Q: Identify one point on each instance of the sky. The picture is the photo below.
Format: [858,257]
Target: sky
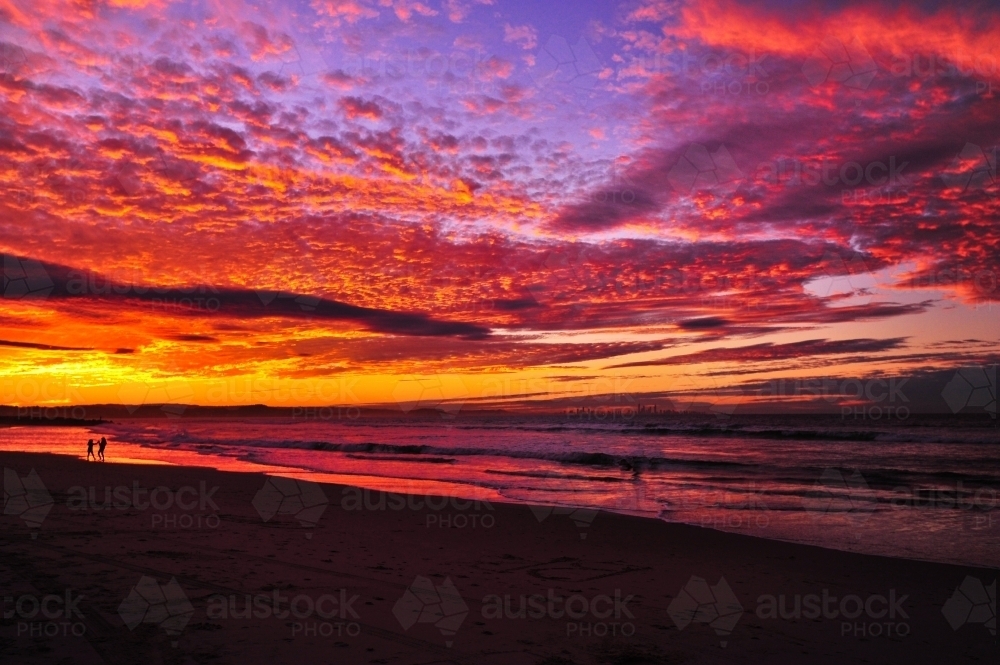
[689,203]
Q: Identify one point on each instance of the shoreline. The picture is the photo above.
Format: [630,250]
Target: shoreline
[254,537]
[486,496]
[146,453]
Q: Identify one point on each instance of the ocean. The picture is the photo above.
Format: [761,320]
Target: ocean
[926,489]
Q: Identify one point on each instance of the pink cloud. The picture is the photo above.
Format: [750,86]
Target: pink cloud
[524,36]
[345,11]
[459,10]
[405,9]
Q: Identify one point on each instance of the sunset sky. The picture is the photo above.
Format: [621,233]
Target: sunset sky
[483,202]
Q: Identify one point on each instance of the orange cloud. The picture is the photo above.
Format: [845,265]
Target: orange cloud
[965,33]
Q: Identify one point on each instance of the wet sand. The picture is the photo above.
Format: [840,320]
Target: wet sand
[335,574]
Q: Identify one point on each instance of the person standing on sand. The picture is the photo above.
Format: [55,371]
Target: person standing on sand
[90,450]
[100,449]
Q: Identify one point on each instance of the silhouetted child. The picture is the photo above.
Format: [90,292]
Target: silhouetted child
[100,448]
[90,450]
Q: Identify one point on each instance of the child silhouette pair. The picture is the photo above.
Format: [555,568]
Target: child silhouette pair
[100,450]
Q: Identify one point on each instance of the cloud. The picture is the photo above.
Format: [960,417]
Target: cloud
[383,178]
[703,323]
[72,285]
[339,12]
[263,43]
[459,10]
[798,27]
[405,9]
[524,36]
[768,351]
[40,347]
[441,356]
[339,79]
[355,107]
